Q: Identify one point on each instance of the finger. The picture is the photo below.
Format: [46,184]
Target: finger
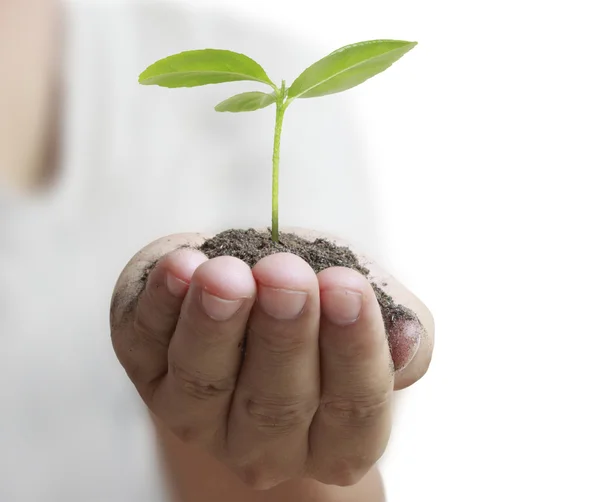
[411,336]
[278,387]
[144,341]
[352,426]
[412,330]
[205,352]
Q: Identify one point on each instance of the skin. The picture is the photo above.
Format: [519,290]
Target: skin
[308,412]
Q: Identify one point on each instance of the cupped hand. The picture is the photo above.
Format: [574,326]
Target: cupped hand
[276,371]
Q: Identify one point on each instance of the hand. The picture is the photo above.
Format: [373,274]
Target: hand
[308,395]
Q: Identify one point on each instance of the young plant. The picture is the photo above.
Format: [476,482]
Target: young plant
[339,71]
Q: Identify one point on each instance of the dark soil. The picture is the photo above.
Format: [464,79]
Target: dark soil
[251,246]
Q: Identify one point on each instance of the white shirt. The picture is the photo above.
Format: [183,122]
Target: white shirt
[138,163]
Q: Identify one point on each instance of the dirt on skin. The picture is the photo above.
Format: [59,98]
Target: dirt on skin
[251,246]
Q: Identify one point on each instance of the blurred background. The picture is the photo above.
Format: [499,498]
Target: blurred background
[478,155]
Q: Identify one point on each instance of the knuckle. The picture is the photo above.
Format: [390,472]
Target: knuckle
[198,432]
[277,416]
[197,385]
[257,477]
[345,472]
[185,433]
[361,411]
[134,370]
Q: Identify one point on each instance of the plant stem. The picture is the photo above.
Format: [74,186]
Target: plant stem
[280,110]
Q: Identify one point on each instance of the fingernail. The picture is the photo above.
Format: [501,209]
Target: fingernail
[341,306]
[219,309]
[282,304]
[176,286]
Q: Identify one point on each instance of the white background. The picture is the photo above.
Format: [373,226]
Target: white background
[484,149]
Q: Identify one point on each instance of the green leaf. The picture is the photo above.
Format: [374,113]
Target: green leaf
[203,67]
[348,67]
[246,102]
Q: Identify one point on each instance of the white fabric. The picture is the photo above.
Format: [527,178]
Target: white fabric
[138,163]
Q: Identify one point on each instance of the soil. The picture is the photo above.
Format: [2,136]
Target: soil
[251,246]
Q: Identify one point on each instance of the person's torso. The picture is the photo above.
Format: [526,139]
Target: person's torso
[139,163]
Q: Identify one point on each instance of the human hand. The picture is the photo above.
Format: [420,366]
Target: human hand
[310,394]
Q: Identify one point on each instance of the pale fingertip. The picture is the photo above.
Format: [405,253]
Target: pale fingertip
[282,304]
[181,265]
[341,306]
[219,309]
[226,278]
[176,286]
[284,283]
[285,271]
[335,278]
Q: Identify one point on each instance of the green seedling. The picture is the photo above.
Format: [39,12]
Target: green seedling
[339,71]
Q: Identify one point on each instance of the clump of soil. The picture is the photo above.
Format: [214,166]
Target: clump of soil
[251,246]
